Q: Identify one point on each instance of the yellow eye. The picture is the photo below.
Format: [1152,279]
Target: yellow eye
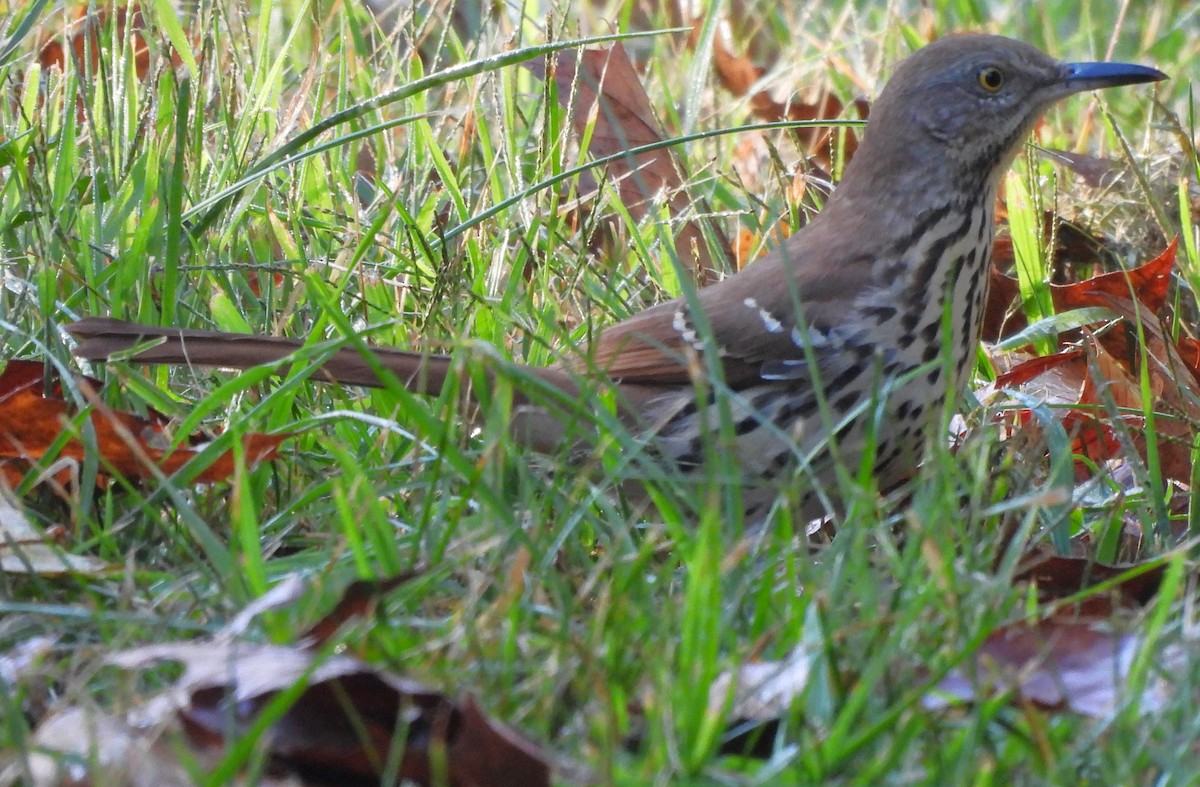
[991,79]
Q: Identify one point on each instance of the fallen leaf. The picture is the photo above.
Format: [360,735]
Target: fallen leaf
[1079,386]
[26,550]
[86,37]
[1063,387]
[31,423]
[601,91]
[1065,663]
[755,697]
[1189,354]
[350,724]
[1096,172]
[345,724]
[85,746]
[358,600]
[1148,284]
[1060,576]
[1106,370]
[1176,392]
[740,76]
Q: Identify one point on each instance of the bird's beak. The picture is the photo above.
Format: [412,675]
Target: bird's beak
[1093,76]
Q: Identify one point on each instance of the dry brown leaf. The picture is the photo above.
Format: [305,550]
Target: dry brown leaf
[1058,664]
[1026,371]
[1107,371]
[601,89]
[31,423]
[1147,283]
[1096,172]
[350,724]
[358,600]
[345,724]
[1061,576]
[1067,382]
[1176,392]
[739,76]
[1189,354]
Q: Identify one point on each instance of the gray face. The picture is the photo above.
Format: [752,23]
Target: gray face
[986,97]
[975,98]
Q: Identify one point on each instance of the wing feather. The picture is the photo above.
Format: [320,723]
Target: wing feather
[753,317]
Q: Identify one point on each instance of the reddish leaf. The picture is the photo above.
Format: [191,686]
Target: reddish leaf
[357,600]
[1094,377]
[1002,293]
[1148,283]
[30,424]
[1176,393]
[1060,576]
[1189,354]
[1029,370]
[86,37]
[1066,380]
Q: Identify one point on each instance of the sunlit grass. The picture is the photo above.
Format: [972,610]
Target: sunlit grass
[309,180]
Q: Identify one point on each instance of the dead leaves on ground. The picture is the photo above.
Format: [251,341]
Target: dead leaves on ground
[351,720]
[1060,664]
[1076,657]
[46,432]
[1125,378]
[24,549]
[319,718]
[741,77]
[84,39]
[37,426]
[607,105]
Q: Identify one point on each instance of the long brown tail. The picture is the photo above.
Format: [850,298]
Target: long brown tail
[101,338]
[540,422]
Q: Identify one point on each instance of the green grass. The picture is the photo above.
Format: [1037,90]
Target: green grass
[230,198]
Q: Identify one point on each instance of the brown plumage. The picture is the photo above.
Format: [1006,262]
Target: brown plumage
[839,339]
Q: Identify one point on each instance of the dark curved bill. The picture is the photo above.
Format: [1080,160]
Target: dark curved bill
[1092,76]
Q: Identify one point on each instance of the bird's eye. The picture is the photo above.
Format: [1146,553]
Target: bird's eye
[991,78]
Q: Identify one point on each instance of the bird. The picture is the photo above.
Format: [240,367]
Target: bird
[840,348]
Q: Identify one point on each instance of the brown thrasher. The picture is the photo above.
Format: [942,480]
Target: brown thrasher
[850,335]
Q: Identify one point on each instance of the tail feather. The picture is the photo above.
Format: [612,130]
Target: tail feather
[544,423]
[101,338]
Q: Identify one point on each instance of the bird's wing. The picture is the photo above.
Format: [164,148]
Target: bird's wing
[759,319]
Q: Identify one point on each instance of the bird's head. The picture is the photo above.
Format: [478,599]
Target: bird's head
[974,98]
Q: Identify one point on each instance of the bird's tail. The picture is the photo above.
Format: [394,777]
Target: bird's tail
[101,338]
